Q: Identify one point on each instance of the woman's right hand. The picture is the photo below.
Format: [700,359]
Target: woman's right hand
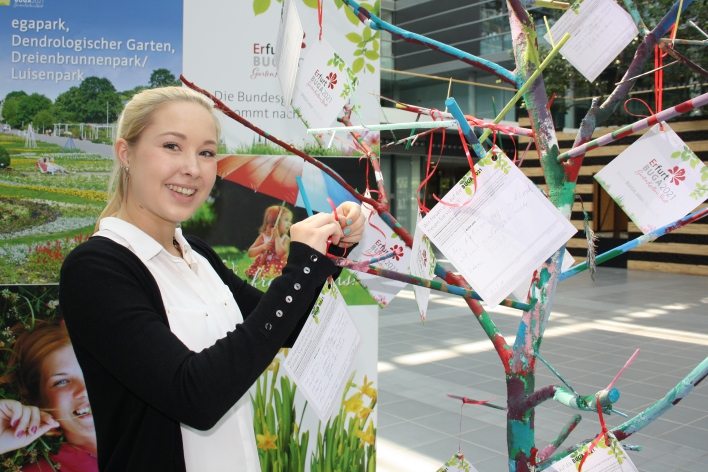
[21,424]
[316,230]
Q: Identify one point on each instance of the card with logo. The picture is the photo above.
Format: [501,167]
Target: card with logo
[656,180]
[323,85]
[377,240]
[499,234]
[603,458]
[322,356]
[422,265]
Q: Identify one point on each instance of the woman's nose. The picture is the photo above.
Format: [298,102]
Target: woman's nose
[190,166]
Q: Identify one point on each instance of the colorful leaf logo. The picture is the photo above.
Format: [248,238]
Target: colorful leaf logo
[677,175]
[331,80]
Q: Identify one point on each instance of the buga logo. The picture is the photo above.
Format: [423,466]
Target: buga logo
[331,80]
[677,175]
[25,3]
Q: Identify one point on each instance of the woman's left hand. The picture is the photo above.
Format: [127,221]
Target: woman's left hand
[352,220]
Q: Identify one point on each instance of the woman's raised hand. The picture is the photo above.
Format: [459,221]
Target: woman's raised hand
[316,230]
[351,220]
[21,424]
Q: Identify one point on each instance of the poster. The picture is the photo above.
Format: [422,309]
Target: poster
[236,62]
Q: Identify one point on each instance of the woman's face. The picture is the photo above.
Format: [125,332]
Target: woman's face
[64,394]
[172,166]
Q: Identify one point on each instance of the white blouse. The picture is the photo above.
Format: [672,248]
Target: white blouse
[201,309]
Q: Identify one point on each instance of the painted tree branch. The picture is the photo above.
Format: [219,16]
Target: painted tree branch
[683,59]
[546,452]
[373,158]
[645,238]
[626,429]
[619,133]
[375,23]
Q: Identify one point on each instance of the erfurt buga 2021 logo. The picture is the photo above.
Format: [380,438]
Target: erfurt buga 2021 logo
[320,84]
[660,180]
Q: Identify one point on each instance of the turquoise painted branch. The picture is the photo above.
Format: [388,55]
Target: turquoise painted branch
[544,453]
[432,284]
[469,135]
[572,400]
[645,238]
[376,23]
[624,131]
[634,12]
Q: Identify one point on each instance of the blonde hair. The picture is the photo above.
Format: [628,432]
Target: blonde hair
[271,215]
[136,116]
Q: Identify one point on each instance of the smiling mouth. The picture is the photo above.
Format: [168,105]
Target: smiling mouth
[82,411]
[182,190]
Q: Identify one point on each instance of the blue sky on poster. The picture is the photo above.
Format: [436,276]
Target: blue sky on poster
[146,36]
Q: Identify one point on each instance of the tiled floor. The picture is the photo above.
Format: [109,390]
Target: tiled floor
[595,327]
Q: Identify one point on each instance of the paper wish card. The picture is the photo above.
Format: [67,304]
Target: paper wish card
[323,85]
[458,463]
[599,31]
[603,458]
[422,265]
[499,234]
[322,356]
[287,48]
[377,240]
[657,180]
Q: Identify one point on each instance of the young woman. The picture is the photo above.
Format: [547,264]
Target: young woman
[168,338]
[45,367]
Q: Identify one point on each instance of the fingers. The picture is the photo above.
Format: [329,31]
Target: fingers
[352,222]
[46,423]
[316,230]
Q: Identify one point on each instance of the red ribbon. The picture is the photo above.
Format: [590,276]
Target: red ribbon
[319,16]
[656,120]
[599,436]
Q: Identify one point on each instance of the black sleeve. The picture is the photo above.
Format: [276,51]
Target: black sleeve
[114,316]
[247,297]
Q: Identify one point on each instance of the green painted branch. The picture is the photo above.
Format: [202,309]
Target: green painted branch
[544,453]
[485,321]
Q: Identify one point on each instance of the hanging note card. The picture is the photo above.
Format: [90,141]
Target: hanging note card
[656,180]
[603,458]
[458,463]
[320,359]
[499,235]
[287,48]
[323,85]
[378,239]
[422,265]
[599,31]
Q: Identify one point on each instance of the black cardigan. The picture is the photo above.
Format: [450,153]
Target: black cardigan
[142,381]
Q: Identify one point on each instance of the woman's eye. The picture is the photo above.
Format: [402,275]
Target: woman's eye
[60,383]
[172,146]
[208,153]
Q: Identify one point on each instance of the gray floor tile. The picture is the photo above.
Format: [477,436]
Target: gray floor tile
[415,413]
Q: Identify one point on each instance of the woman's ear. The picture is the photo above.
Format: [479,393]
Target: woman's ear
[122,152]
